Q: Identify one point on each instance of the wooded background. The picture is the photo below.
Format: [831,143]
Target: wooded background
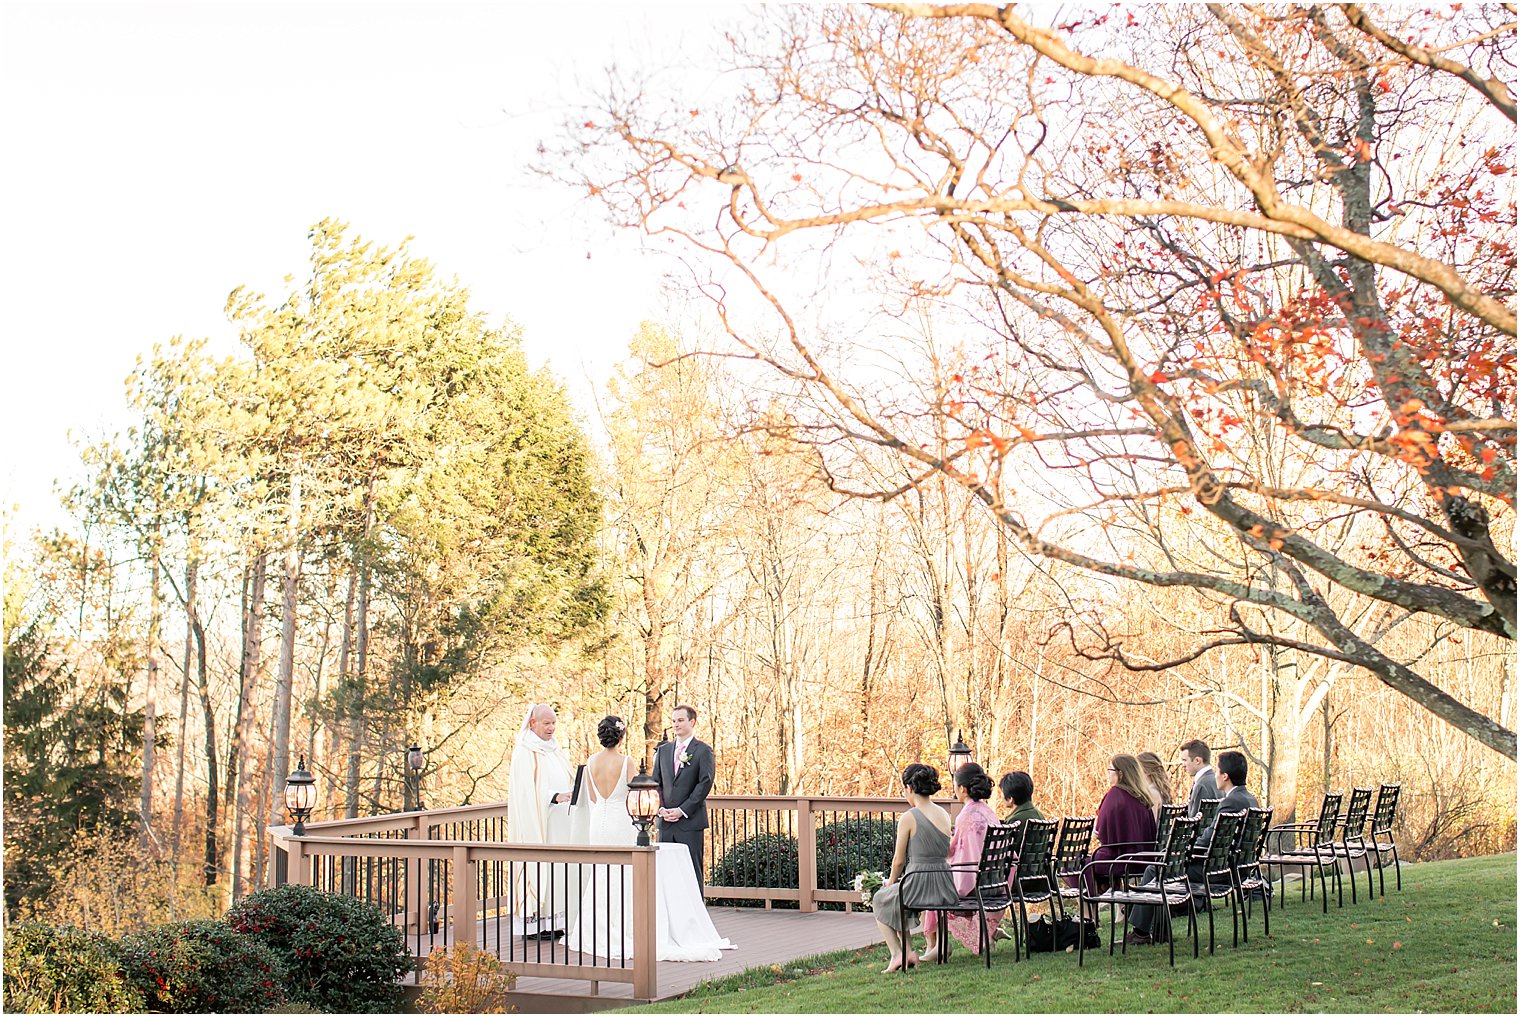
[1077,390]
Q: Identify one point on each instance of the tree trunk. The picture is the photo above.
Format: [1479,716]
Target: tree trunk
[210,867]
[345,678]
[237,755]
[192,574]
[150,700]
[279,764]
[356,706]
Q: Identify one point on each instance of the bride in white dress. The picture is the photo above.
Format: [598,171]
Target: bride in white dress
[607,894]
[605,797]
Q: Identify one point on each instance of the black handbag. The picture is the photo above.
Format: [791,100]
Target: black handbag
[1046,936]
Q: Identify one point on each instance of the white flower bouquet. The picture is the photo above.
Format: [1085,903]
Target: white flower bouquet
[867,883]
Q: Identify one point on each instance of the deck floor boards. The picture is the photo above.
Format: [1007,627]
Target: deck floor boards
[762,938]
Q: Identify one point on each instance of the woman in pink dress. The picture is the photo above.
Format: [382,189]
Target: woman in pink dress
[972,788]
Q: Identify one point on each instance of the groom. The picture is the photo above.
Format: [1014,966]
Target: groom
[684,767]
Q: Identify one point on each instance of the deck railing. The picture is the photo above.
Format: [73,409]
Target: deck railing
[448,876]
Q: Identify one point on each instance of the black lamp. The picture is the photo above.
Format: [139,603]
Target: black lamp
[960,755]
[415,761]
[300,796]
[643,803]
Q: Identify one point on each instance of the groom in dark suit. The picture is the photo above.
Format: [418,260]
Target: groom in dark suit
[684,767]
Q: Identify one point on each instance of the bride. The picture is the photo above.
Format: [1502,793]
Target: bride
[607,894]
[596,930]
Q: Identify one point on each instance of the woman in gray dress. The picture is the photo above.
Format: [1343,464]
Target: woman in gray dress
[923,844]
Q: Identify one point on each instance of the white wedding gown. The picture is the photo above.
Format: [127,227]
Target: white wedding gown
[684,932]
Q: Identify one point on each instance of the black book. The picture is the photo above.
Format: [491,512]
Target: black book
[575,792]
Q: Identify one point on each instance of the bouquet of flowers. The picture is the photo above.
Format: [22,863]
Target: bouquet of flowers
[867,883]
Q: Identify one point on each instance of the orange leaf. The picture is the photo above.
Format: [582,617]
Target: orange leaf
[1157,378]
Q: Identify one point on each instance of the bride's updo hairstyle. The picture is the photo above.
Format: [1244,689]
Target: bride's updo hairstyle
[975,780]
[921,779]
[610,732]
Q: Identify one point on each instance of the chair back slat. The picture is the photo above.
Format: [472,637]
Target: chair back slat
[1222,846]
[1073,845]
[1036,852]
[1329,817]
[998,853]
[1179,847]
[1355,822]
[1207,808]
[1382,815]
[1168,815]
[1251,836]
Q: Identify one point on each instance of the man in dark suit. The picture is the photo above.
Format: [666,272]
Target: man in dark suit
[1232,779]
[685,767]
[1195,760]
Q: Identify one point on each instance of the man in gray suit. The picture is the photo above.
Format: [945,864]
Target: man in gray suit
[1195,759]
[685,768]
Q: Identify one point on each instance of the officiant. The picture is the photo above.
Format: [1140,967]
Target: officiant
[539,812]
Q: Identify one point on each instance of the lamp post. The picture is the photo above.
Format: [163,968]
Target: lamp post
[415,761]
[960,755]
[300,796]
[643,803]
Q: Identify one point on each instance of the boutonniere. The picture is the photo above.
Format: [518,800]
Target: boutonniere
[686,758]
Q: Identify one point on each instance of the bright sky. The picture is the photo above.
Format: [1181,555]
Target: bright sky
[158,155]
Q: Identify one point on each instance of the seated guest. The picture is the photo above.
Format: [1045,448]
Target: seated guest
[1232,780]
[972,787]
[923,843]
[1155,776]
[1125,822]
[1018,791]
[1195,760]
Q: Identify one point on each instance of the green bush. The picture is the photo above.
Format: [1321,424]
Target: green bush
[844,847]
[202,966]
[766,859]
[65,970]
[339,953]
[853,845]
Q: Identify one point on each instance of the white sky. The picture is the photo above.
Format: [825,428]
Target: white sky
[157,155]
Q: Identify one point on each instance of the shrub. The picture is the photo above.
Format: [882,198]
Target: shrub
[339,953]
[849,846]
[65,970]
[766,859]
[202,966]
[114,885]
[464,979]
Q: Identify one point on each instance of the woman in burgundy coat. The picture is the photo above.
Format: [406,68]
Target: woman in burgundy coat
[1125,821]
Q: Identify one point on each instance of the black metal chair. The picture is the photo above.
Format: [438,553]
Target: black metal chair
[1353,840]
[1218,882]
[1310,846]
[1250,845]
[1170,886]
[1208,808]
[1382,834]
[1070,855]
[1031,881]
[990,895]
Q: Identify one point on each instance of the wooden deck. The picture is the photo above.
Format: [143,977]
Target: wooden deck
[763,938]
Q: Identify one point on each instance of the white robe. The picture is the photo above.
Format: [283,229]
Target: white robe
[539,771]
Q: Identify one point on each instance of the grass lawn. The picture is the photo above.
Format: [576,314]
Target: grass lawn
[1446,943]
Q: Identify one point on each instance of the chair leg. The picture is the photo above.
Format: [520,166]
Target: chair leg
[1266,910]
[1398,872]
[1209,904]
[1171,938]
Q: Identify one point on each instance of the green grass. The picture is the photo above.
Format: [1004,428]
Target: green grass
[1446,944]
